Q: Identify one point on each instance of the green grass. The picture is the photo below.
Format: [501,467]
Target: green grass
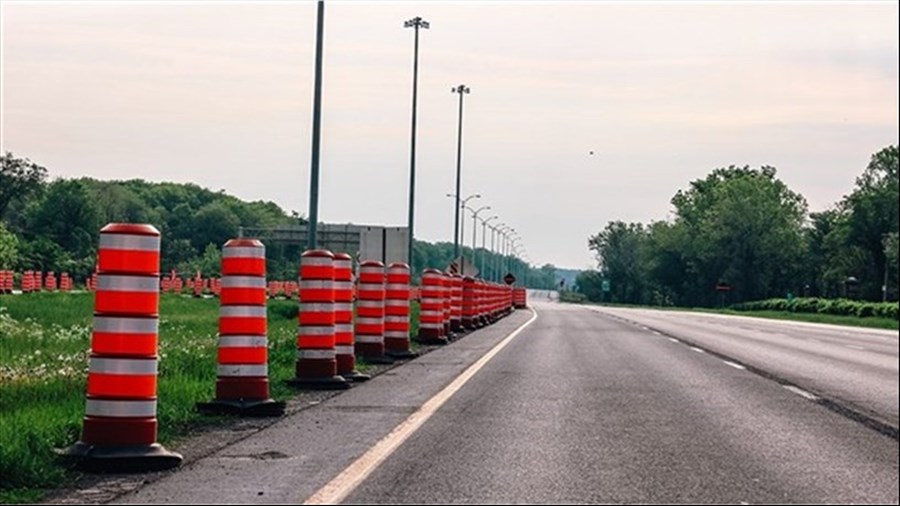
[45,342]
[853,321]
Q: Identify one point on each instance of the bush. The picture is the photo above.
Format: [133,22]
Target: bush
[840,307]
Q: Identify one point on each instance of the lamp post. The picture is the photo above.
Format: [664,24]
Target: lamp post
[475,226]
[483,234]
[462,89]
[312,230]
[502,229]
[414,23]
[457,237]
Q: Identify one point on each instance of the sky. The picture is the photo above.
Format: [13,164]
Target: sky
[220,94]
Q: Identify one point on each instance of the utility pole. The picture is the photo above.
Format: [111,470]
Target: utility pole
[461,90]
[415,23]
[312,229]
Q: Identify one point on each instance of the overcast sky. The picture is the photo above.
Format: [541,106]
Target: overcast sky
[220,94]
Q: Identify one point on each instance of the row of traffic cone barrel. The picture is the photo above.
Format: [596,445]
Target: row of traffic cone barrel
[120,424]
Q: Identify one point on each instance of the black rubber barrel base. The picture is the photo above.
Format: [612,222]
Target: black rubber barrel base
[121,459]
[241,407]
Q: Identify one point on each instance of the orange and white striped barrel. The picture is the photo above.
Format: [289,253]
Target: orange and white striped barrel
[38,277]
[3,276]
[343,318]
[165,284]
[217,286]
[27,282]
[50,282]
[431,309]
[396,311]
[468,303]
[242,379]
[481,303]
[316,356]
[456,302]
[120,424]
[177,284]
[198,286]
[447,305]
[370,292]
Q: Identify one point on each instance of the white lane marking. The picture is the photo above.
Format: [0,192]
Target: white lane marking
[698,350]
[801,392]
[736,366]
[344,483]
[674,340]
[656,333]
[854,347]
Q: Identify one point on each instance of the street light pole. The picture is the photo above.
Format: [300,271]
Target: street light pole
[457,238]
[416,23]
[483,234]
[461,90]
[312,229]
[475,227]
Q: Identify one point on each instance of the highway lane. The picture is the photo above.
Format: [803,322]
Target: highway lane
[856,367]
[582,408]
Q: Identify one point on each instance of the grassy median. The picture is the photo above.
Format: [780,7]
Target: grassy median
[45,341]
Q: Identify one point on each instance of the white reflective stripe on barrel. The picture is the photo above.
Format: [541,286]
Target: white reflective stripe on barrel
[256,370]
[343,285]
[342,263]
[396,319]
[343,350]
[343,306]
[315,330]
[397,334]
[125,366]
[120,409]
[393,287]
[368,321]
[397,302]
[316,354]
[243,282]
[129,242]
[115,283]
[316,284]
[243,341]
[316,261]
[370,339]
[242,311]
[343,328]
[398,270]
[431,325]
[372,304]
[124,325]
[431,313]
[244,252]
[371,270]
[316,307]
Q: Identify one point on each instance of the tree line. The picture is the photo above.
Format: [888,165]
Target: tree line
[54,226]
[740,234]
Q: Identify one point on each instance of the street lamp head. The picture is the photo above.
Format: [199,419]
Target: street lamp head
[462,88]
[416,22]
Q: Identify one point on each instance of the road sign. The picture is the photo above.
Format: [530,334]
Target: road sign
[723,287]
[509,279]
[604,285]
[468,268]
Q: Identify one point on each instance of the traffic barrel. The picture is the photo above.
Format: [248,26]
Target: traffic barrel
[370,293]
[446,305]
[396,312]
[27,282]
[120,426]
[242,383]
[456,297]
[177,285]
[316,358]
[481,305]
[431,309]
[468,303]
[50,282]
[343,319]
[3,275]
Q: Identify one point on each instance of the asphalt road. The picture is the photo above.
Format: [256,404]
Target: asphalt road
[857,367]
[580,407]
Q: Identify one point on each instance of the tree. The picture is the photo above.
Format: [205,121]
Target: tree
[617,249]
[9,248]
[68,215]
[873,214]
[213,224]
[19,178]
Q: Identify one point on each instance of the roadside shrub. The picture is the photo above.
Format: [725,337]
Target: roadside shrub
[839,307]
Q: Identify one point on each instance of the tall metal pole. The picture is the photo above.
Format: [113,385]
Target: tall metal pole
[483,234]
[312,229]
[416,23]
[461,90]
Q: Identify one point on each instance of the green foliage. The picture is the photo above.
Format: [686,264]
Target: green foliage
[19,178]
[9,248]
[745,228]
[841,307]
